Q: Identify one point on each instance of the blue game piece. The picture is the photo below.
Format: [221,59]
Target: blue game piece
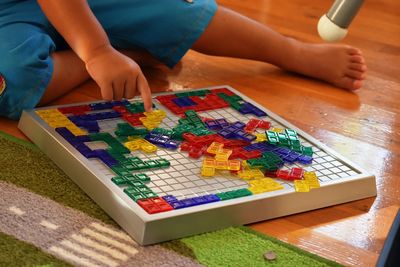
[120,103]
[177,204]
[188,202]
[244,136]
[304,159]
[222,122]
[239,125]
[212,125]
[246,108]
[211,198]
[199,200]
[170,198]
[65,133]
[171,144]
[226,134]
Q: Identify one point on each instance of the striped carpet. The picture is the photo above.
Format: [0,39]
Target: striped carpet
[46,220]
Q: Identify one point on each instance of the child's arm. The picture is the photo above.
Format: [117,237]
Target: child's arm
[117,75]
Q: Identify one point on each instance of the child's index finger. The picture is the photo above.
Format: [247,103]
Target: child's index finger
[145,92]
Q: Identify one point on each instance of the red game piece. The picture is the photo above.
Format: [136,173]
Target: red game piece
[296,174]
[283,174]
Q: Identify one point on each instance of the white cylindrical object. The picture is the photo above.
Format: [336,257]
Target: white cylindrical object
[329,31]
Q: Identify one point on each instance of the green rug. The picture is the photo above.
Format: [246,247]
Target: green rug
[36,196]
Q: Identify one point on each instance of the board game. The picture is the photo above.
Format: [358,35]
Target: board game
[201,160]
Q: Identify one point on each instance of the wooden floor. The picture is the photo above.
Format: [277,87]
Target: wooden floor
[363,126]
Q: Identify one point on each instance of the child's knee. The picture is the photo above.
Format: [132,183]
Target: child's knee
[26,69]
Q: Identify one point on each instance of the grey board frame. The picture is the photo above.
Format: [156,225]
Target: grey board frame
[148,229]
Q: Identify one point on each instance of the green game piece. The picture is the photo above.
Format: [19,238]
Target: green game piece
[119,180]
[150,195]
[163,162]
[307,150]
[144,178]
[236,105]
[151,164]
[135,160]
[162,131]
[139,166]
[136,183]
[144,189]
[136,107]
[120,170]
[235,98]
[291,132]
[242,192]
[183,121]
[125,129]
[201,131]
[134,194]
[255,163]
[223,196]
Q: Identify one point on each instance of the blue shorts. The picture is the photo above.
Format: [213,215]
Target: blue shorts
[165,28]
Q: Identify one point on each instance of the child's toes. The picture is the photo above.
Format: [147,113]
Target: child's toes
[349,83]
[354,51]
[358,66]
[359,75]
[357,59]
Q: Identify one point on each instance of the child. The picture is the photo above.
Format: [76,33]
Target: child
[37,65]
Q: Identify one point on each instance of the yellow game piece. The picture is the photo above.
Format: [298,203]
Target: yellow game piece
[221,164]
[234,165]
[223,154]
[148,147]
[311,179]
[264,185]
[244,174]
[301,186]
[209,162]
[277,130]
[214,147]
[157,113]
[256,173]
[132,145]
[261,137]
[245,165]
[207,171]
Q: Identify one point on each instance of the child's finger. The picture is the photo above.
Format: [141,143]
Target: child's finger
[130,87]
[107,91]
[118,88]
[145,92]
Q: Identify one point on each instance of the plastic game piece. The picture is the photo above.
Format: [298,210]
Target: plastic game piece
[307,151]
[234,165]
[214,148]
[234,194]
[311,179]
[301,186]
[207,171]
[154,205]
[283,174]
[250,174]
[223,154]
[260,137]
[264,185]
[253,124]
[272,137]
[296,174]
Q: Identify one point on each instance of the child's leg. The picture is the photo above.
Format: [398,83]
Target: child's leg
[233,35]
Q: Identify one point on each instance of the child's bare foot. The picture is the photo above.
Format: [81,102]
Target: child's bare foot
[340,65]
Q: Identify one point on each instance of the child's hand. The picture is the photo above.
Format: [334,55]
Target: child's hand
[118,76]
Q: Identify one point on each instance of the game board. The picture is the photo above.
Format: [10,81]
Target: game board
[202,160]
